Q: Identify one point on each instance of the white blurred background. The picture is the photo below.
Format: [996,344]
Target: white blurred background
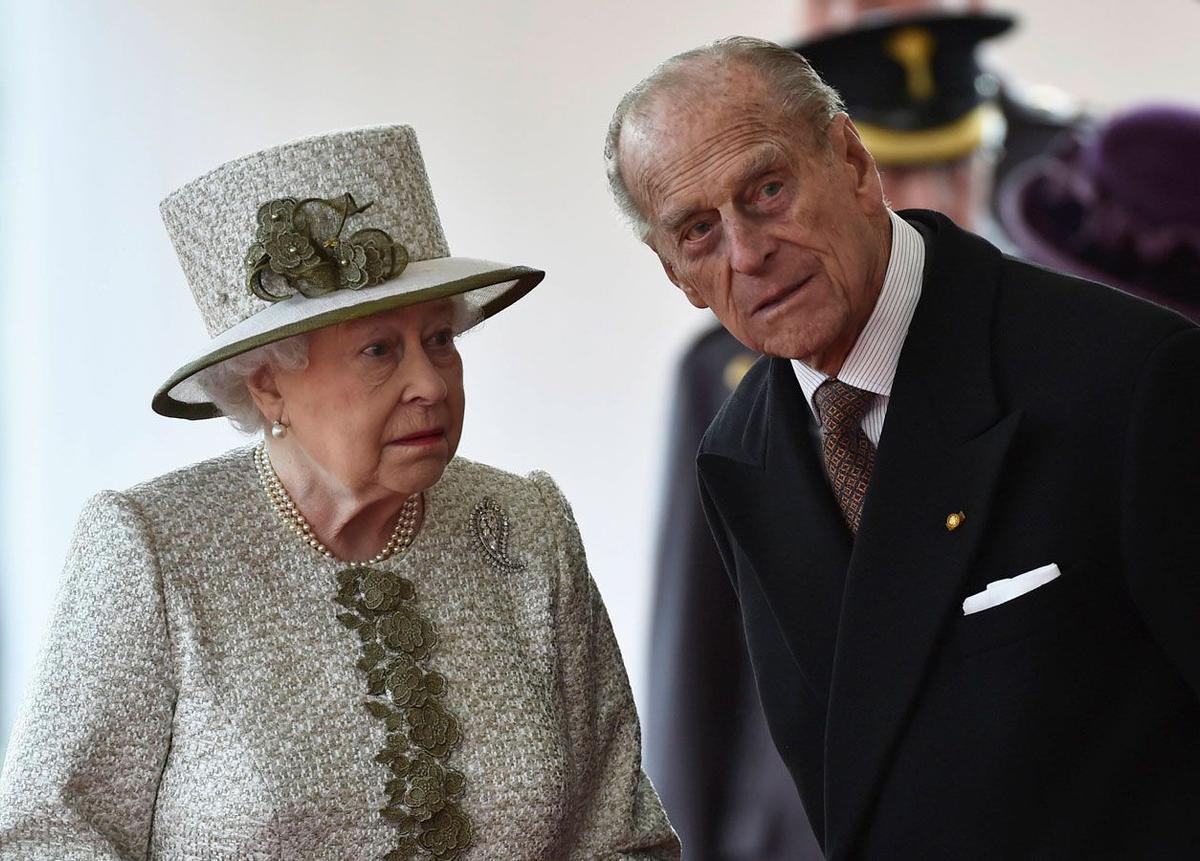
[107,106]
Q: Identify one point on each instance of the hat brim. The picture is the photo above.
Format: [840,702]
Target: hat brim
[956,140]
[1012,204]
[489,288]
[969,26]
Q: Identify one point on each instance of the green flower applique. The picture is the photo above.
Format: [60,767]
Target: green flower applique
[406,630]
[352,264]
[423,792]
[290,253]
[447,834]
[433,729]
[298,248]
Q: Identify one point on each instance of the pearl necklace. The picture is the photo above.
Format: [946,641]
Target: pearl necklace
[402,535]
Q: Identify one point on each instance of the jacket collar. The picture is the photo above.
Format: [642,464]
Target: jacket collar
[760,467]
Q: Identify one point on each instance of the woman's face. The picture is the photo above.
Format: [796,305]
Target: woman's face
[379,408]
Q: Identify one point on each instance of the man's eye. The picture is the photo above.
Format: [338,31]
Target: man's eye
[699,230]
[771,189]
[376,351]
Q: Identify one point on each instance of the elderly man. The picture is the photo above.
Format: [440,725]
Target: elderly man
[931,120]
[958,499]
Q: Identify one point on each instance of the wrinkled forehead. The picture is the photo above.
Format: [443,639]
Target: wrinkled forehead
[683,150]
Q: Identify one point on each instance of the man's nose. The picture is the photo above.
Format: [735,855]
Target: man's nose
[750,246]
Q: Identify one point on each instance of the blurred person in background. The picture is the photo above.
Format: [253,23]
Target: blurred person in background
[1035,115]
[1118,204]
[935,122]
[937,685]
[343,641]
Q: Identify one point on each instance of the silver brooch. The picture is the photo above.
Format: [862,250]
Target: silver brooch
[490,525]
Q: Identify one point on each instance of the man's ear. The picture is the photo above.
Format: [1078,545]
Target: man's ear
[849,151]
[264,389]
[686,289]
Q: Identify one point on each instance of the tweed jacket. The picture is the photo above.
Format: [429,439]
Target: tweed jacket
[199,697]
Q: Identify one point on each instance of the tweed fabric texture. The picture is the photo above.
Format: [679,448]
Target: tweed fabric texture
[197,699]
[848,453]
[212,220]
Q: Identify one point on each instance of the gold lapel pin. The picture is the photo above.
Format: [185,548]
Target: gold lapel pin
[955,520]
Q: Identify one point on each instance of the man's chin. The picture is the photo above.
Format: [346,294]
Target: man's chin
[806,340]
[789,346]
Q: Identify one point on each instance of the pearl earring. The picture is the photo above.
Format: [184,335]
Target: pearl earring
[278,429]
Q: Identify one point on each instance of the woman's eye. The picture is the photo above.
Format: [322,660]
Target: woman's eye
[376,351]
[442,339]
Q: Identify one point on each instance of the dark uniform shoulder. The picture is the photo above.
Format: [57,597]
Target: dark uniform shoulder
[717,355]
[710,368]
[742,410]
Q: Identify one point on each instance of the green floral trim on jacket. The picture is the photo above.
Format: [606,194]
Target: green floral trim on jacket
[405,695]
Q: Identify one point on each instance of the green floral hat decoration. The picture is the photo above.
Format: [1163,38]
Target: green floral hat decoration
[298,242]
[313,233]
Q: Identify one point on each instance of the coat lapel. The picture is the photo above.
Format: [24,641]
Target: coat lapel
[943,446]
[775,500]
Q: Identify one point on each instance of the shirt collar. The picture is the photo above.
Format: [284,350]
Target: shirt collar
[871,363]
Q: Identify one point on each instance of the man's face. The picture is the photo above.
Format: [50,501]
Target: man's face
[784,239]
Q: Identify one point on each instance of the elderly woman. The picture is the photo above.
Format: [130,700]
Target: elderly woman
[344,642]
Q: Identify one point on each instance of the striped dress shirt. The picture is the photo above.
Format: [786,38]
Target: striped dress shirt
[871,363]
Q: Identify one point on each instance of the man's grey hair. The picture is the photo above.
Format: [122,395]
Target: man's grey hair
[226,383]
[800,92]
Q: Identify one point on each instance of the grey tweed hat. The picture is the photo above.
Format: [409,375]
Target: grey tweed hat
[312,233]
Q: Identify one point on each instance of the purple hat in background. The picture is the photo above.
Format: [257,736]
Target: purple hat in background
[1120,205]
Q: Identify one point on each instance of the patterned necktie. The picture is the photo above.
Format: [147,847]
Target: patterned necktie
[849,455]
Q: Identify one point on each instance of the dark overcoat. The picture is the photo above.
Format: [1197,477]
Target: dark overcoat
[1062,419]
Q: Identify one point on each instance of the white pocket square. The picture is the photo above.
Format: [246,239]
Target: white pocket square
[1014,587]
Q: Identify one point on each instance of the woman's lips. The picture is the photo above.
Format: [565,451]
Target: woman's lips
[429,437]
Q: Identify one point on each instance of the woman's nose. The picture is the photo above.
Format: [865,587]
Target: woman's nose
[423,381]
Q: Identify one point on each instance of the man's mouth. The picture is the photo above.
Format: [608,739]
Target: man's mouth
[779,296]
